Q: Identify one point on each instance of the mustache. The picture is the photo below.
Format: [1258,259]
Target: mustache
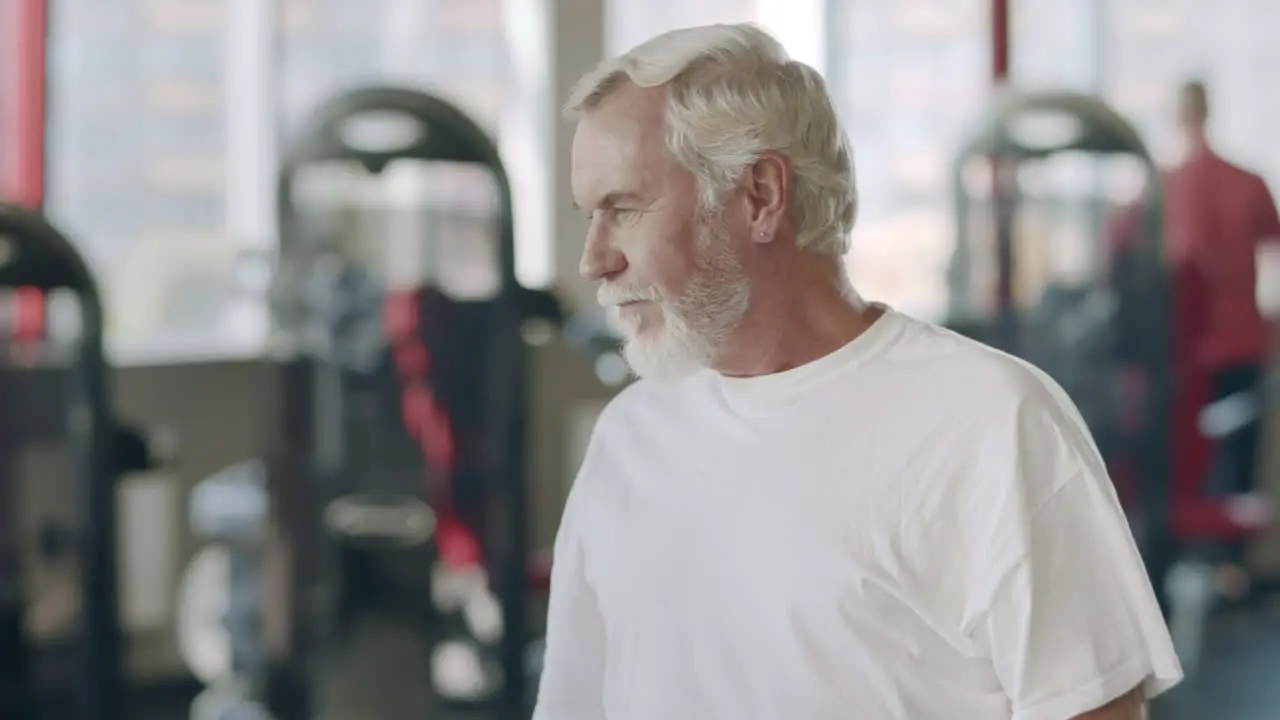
[612,295]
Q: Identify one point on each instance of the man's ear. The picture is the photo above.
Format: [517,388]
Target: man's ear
[769,193]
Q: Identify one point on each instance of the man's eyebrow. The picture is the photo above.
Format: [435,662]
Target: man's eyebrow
[612,200]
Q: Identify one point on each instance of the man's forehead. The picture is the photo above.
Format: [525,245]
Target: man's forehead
[618,144]
[642,105]
[630,115]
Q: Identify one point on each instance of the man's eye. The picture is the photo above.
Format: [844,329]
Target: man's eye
[625,213]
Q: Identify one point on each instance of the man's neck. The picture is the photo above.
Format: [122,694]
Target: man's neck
[1197,143]
[810,313]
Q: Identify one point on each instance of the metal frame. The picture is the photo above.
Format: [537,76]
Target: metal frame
[47,260]
[1147,291]
[450,137]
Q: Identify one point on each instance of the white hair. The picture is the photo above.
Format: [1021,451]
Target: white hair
[733,94]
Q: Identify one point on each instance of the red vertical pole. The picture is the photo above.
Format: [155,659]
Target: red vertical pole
[1002,183]
[999,41]
[22,100]
[9,73]
[33,29]
[23,28]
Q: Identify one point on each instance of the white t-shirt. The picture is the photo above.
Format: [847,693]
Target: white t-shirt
[912,527]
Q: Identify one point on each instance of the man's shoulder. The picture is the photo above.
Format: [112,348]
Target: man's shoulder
[968,367]
[1233,172]
[998,428]
[989,389]
[644,399]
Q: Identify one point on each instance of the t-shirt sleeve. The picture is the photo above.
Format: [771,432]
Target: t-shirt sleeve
[1069,619]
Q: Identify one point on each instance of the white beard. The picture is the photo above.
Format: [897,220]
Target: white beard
[672,352]
[696,324]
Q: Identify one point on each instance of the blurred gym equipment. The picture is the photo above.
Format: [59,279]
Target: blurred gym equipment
[1097,321]
[399,516]
[1041,275]
[219,628]
[1030,276]
[60,644]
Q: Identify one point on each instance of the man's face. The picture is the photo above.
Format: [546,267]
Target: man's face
[669,270]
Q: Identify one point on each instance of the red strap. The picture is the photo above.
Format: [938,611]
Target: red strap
[1209,519]
[429,425]
[457,545]
[29,314]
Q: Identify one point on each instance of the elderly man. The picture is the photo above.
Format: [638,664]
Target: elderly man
[810,506]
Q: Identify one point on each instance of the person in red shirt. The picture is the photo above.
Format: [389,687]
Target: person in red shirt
[1216,214]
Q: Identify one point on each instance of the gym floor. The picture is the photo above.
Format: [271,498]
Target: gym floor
[1239,675]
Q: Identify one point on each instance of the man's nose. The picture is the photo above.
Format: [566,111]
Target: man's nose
[600,258]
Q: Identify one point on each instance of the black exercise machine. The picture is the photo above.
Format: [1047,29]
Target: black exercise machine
[1099,322]
[404,409]
[55,390]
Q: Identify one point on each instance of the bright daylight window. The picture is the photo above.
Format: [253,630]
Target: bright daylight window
[162,148]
